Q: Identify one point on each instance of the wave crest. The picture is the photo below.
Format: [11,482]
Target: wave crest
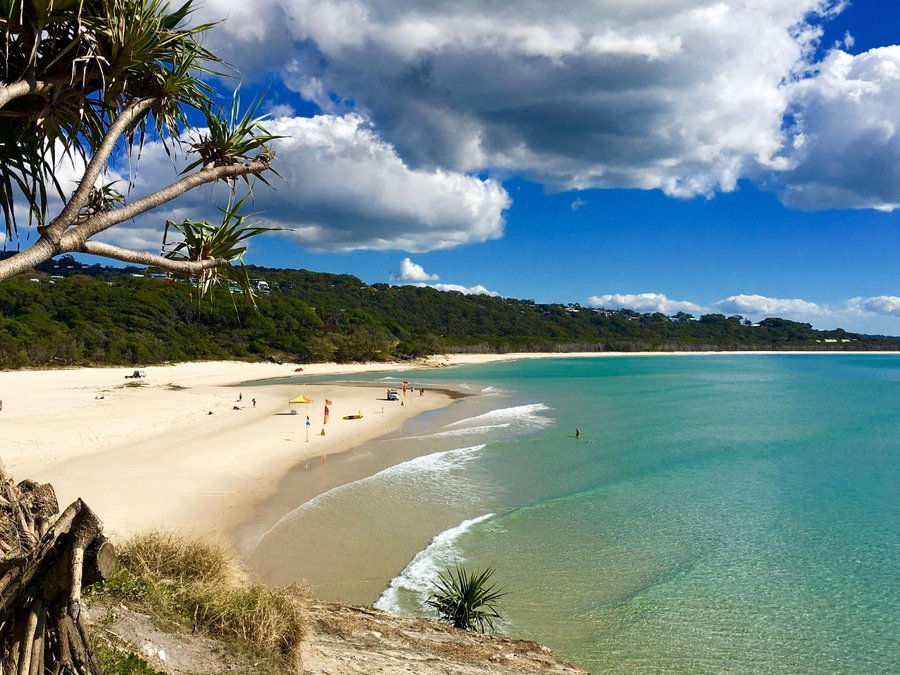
[419,575]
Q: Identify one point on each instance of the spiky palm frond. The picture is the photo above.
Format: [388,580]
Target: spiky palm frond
[97,56]
[102,198]
[201,241]
[233,137]
[465,599]
[26,168]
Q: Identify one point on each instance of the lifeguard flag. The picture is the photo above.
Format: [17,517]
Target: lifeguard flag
[326,414]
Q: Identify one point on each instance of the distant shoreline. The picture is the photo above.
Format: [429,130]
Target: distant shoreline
[463,359]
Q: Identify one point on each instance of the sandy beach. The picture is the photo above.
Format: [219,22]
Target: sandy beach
[146,453]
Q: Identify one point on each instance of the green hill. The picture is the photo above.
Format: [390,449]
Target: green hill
[70,314]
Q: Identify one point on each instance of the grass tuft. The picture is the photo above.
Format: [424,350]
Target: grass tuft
[176,559]
[196,586]
[118,662]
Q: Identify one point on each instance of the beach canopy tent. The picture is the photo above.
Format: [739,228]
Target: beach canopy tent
[300,399]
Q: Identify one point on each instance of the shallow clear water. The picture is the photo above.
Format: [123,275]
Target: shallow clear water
[718,513]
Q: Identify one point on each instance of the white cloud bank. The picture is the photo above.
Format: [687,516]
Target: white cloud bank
[846,140]
[754,305]
[864,314]
[644,302]
[341,188]
[423,100]
[466,290]
[882,305]
[687,96]
[347,189]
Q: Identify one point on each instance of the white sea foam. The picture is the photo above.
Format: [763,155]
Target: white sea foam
[466,431]
[410,472]
[419,575]
[523,418]
[521,415]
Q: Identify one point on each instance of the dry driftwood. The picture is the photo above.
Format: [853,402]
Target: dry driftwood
[44,564]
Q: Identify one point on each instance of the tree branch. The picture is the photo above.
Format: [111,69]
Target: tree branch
[149,259]
[126,118]
[22,88]
[75,238]
[41,251]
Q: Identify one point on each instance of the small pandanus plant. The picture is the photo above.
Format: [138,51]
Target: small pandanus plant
[466,599]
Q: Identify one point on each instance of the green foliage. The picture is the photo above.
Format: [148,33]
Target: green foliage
[235,137]
[226,242]
[113,318]
[116,662]
[89,80]
[466,599]
[97,56]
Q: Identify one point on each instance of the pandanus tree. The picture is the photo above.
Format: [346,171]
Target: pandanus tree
[88,80]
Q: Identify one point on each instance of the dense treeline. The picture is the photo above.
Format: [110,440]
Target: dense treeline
[102,315]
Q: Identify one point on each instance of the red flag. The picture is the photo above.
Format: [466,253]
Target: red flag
[326,415]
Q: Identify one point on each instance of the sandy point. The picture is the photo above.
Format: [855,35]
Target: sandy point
[187,447]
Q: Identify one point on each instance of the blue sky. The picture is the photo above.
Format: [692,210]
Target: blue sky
[661,155]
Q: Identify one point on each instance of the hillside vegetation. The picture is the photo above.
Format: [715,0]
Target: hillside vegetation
[95,315]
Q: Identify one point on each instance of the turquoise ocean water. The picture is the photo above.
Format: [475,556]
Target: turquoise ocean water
[719,514]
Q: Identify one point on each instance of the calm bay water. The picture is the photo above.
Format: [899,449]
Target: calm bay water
[718,514]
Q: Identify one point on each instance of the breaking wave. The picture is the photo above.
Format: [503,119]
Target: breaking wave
[521,416]
[410,473]
[419,575]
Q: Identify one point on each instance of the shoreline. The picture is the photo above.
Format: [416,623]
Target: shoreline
[145,454]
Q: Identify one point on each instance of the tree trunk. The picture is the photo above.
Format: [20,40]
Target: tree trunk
[42,627]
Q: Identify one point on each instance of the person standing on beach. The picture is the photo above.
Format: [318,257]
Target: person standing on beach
[254,402]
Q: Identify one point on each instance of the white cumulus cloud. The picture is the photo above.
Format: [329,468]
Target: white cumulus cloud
[412,274]
[644,302]
[884,305]
[762,305]
[341,188]
[410,271]
[687,96]
[846,139]
[478,289]
[348,189]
